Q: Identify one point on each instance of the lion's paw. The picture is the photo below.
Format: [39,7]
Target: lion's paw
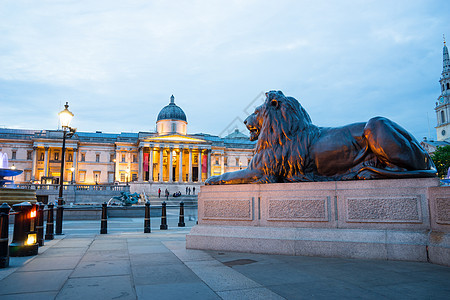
[213,180]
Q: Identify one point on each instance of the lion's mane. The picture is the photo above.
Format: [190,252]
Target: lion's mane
[284,138]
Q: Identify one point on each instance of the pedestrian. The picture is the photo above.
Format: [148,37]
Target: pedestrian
[167,195]
[193,190]
[186,190]
[189,190]
[159,193]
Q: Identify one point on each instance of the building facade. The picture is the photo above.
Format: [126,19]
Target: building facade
[168,156]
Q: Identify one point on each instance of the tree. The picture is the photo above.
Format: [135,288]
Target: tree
[441,158]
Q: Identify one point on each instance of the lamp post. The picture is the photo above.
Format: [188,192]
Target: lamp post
[65,116]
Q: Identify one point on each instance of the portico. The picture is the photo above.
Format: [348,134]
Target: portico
[174,158]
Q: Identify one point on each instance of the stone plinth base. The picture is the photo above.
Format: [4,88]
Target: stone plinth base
[379,219]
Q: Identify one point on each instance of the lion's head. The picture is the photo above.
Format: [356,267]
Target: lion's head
[278,117]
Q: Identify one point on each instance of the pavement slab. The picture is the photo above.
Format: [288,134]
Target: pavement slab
[104,287]
[176,291]
[102,268]
[34,296]
[36,281]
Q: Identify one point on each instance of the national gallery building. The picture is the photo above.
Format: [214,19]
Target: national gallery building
[169,156]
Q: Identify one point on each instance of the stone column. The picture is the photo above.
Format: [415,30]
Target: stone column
[141,162]
[180,166]
[161,154]
[33,167]
[46,162]
[150,165]
[75,165]
[170,165]
[190,165]
[222,163]
[208,173]
[200,165]
[116,166]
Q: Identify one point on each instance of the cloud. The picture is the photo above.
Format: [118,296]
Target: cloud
[119,62]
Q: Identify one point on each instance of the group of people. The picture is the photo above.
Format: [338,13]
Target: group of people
[188,190]
[177,194]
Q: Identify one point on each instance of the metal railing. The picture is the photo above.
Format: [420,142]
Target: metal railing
[78,187]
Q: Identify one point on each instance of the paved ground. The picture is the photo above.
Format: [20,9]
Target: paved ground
[128,264]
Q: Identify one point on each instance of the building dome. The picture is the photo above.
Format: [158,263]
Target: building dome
[171,112]
[171,119]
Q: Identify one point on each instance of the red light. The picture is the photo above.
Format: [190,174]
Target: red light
[33,214]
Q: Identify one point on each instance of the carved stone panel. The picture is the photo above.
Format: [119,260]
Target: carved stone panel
[304,209]
[443,210]
[384,209]
[228,209]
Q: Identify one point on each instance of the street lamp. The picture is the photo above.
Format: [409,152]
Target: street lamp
[65,116]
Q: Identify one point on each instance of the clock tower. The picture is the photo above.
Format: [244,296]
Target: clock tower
[443,102]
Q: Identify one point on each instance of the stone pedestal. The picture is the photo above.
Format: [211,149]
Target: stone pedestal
[402,219]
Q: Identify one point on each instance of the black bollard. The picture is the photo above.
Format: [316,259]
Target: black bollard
[40,223]
[147,227]
[4,227]
[24,241]
[104,223]
[49,229]
[163,217]
[181,219]
[59,216]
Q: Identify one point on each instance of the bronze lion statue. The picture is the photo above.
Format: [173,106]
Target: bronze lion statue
[291,149]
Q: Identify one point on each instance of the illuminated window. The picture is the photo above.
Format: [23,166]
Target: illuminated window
[122,177]
[225,161]
[70,157]
[111,158]
[134,158]
[27,175]
[96,176]
[82,176]
[110,177]
[442,116]
[56,155]
[97,158]
[133,177]
[217,160]
[123,157]
[41,158]
[13,154]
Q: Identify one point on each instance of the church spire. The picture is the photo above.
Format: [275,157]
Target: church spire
[172,98]
[445,62]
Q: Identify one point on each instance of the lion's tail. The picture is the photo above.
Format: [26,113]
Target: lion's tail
[373,172]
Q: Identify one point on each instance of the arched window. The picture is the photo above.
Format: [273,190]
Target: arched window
[442,117]
[174,127]
[443,87]
[448,85]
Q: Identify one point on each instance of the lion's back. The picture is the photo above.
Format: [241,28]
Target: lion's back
[338,148]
